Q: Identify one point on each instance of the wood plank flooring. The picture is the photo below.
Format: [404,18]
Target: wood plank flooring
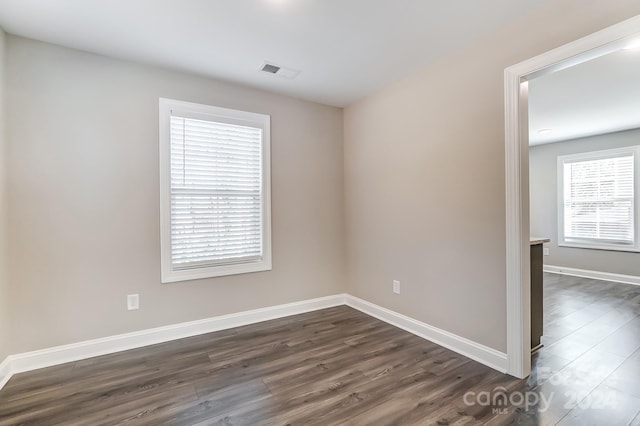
[341,367]
[590,364]
[335,366]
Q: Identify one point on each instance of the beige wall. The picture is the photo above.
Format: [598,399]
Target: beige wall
[543,185]
[424,177]
[423,189]
[4,291]
[83,199]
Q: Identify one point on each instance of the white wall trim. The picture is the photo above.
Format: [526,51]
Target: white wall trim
[516,166]
[517,226]
[28,361]
[68,353]
[5,372]
[596,275]
[483,354]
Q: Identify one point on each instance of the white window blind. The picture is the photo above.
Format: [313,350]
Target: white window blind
[599,199]
[216,194]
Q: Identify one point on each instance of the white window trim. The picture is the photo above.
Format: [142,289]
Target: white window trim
[168,274]
[595,155]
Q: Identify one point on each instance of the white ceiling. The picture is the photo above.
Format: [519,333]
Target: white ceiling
[345,49]
[596,97]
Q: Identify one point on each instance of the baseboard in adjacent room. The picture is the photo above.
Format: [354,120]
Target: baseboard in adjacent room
[483,354]
[596,275]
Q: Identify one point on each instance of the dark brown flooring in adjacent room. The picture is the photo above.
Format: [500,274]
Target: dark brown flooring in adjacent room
[592,349]
[338,366]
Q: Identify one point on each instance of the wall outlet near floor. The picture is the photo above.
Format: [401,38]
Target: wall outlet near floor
[545,251]
[396,286]
[133,302]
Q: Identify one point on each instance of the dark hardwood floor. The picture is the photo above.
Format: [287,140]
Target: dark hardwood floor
[589,367]
[338,366]
[335,366]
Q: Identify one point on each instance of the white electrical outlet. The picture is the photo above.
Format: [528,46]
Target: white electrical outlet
[396,286]
[545,251]
[133,302]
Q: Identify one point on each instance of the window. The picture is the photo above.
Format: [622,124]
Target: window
[214,191]
[597,200]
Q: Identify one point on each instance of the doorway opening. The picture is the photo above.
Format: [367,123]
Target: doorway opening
[518,263]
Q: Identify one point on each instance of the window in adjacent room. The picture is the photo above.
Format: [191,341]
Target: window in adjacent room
[598,200]
[214,191]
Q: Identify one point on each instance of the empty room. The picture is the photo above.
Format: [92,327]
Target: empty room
[305,212]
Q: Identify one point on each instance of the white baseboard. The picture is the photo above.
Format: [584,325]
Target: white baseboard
[483,354]
[596,275]
[68,353]
[28,361]
[5,372]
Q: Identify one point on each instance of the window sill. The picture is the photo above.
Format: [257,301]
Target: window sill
[172,276]
[604,247]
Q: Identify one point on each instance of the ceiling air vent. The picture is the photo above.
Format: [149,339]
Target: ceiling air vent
[273,69]
[284,72]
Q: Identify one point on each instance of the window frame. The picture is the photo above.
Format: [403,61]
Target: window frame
[222,115]
[599,155]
